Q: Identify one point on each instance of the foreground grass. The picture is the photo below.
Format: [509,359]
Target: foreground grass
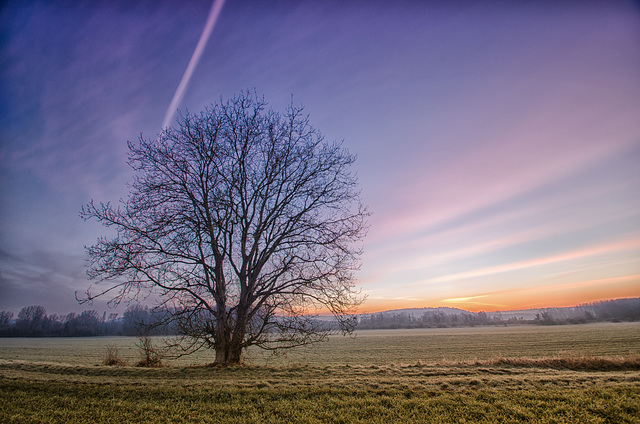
[91,403]
[55,402]
[570,374]
[594,390]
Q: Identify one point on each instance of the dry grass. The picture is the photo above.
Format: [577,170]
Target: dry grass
[502,372]
[485,392]
[149,355]
[377,347]
[54,402]
[112,357]
[571,362]
[586,374]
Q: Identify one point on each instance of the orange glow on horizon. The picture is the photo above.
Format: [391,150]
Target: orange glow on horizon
[548,296]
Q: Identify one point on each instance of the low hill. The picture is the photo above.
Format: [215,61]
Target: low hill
[609,310]
[416,312]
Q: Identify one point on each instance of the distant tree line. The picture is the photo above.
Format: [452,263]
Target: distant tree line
[611,310]
[430,319]
[33,321]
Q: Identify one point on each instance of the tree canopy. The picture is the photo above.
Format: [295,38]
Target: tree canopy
[244,222]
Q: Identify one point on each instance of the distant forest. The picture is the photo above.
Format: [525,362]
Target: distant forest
[33,321]
[610,310]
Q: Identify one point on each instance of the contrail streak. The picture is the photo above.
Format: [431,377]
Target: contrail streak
[216,7]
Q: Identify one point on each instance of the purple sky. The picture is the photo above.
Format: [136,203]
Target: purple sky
[498,142]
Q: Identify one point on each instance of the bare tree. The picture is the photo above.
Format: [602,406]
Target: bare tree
[244,222]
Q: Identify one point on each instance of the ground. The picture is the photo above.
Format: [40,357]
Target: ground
[564,387]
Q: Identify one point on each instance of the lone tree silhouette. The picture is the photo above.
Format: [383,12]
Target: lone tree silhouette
[243,223]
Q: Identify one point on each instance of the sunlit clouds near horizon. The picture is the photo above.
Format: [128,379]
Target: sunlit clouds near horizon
[498,143]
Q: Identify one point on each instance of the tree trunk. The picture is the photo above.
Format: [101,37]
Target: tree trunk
[222,352]
[228,345]
[235,355]
[227,354]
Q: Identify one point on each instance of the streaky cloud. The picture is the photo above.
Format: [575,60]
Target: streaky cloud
[216,8]
[631,243]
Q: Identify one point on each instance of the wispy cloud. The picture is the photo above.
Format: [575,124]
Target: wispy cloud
[77,106]
[541,222]
[38,276]
[216,8]
[488,175]
[463,299]
[621,245]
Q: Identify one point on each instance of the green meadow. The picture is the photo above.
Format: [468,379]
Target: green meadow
[561,374]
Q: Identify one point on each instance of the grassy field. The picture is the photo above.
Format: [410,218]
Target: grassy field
[370,347]
[569,374]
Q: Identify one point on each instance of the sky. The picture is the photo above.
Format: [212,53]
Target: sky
[498,142]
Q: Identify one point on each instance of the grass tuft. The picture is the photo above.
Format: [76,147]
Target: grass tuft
[112,358]
[150,356]
[571,362]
